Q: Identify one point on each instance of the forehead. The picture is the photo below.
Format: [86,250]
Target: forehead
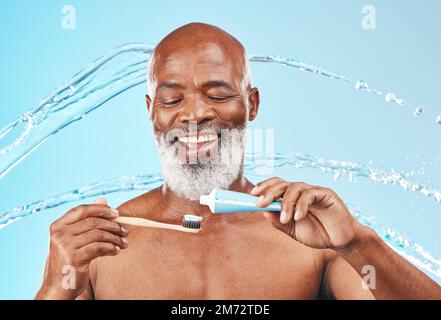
[198,62]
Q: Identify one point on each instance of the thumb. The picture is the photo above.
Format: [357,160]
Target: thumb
[100,200]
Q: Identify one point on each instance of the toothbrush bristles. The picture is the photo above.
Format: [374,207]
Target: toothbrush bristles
[191,222]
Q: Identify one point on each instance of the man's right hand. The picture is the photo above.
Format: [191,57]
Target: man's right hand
[82,234]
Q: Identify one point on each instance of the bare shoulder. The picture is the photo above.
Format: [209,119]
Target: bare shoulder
[141,206]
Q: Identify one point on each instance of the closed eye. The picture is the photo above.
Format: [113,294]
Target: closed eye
[172,102]
[220,98]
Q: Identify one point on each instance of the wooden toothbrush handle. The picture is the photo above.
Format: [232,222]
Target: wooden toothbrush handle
[141,222]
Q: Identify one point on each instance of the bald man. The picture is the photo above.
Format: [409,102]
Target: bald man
[200,91]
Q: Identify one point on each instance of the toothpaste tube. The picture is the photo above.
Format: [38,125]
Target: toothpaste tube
[220,201]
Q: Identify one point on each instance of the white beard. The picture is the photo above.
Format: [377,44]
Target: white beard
[190,181]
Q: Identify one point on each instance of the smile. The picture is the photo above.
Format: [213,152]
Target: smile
[201,138]
[199,143]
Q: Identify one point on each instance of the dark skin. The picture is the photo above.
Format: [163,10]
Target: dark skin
[313,249]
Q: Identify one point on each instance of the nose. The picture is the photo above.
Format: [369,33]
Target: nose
[197,111]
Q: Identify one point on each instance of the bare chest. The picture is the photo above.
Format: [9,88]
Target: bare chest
[239,266]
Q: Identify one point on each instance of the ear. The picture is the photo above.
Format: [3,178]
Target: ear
[148,102]
[254,102]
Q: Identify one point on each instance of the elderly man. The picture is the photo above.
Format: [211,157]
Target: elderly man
[200,86]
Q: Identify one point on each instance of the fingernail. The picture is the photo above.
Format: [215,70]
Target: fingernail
[297,215]
[118,249]
[114,211]
[124,229]
[125,241]
[260,199]
[283,217]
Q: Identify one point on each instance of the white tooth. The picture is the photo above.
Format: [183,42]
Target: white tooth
[196,139]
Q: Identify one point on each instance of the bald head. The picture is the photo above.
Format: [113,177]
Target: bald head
[199,73]
[205,44]
[199,95]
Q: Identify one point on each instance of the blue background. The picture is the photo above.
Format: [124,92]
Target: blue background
[309,114]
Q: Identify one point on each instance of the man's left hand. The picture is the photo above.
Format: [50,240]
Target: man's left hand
[312,215]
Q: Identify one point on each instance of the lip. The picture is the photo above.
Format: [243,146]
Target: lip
[198,144]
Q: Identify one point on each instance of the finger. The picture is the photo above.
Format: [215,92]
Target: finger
[272,193]
[97,249]
[101,200]
[92,223]
[96,235]
[290,199]
[88,210]
[308,198]
[258,188]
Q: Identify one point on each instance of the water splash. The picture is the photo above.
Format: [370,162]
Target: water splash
[363,86]
[418,111]
[303,66]
[338,169]
[406,247]
[391,97]
[116,71]
[253,162]
[124,67]
[142,182]
[145,182]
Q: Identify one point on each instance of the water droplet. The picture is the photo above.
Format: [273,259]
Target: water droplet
[352,178]
[361,85]
[438,119]
[337,175]
[418,111]
[392,98]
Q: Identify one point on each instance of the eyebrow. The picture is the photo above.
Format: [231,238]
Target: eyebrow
[218,83]
[169,85]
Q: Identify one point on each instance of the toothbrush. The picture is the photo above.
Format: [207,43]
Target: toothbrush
[221,201]
[190,224]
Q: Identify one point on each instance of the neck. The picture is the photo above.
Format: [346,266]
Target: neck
[174,207]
